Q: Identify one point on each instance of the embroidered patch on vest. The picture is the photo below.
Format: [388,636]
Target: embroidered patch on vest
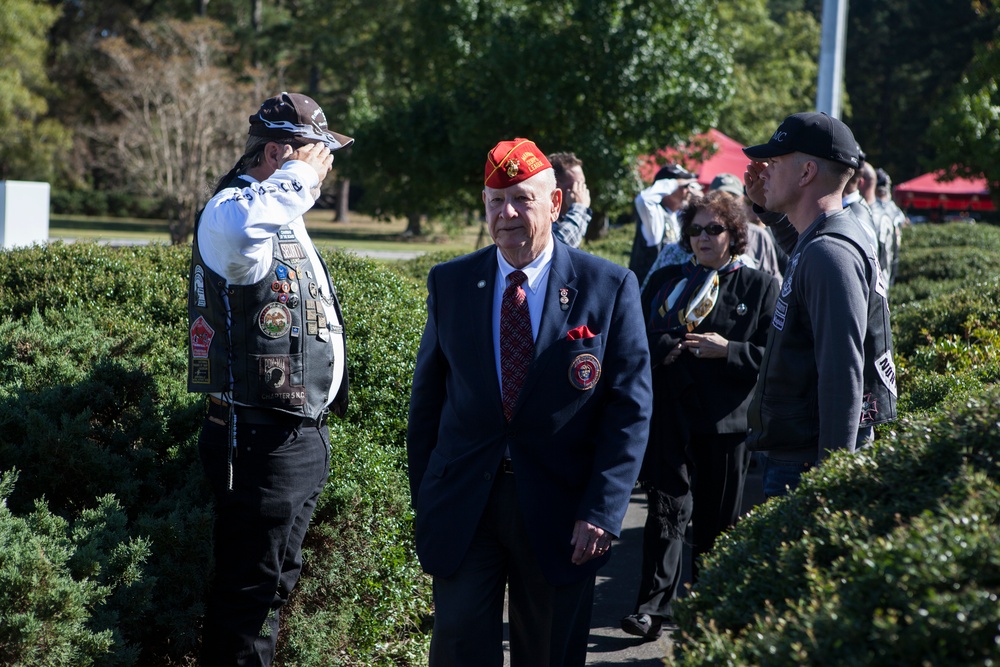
[786,287]
[778,319]
[199,286]
[276,382]
[201,371]
[201,338]
[880,283]
[274,320]
[584,372]
[869,408]
[886,371]
[292,252]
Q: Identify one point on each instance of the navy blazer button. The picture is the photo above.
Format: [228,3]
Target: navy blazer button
[487,476]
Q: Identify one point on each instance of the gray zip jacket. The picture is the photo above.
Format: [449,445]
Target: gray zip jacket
[827,369]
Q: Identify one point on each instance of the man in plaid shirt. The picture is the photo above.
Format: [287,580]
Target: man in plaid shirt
[574,217]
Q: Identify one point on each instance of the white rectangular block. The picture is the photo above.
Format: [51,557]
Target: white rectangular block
[24,213]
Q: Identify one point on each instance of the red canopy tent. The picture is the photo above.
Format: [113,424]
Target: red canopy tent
[707,154]
[930,191]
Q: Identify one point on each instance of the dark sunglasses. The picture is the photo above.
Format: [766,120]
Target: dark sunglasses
[696,230]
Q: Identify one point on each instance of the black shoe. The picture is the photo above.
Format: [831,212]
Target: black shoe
[643,625]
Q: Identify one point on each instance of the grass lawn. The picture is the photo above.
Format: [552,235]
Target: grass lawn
[359,233]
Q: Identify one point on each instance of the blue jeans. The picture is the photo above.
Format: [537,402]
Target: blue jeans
[782,477]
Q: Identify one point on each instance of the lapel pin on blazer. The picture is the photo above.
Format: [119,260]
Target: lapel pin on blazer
[564,298]
[481,284]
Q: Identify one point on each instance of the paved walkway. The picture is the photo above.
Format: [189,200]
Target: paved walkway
[617,586]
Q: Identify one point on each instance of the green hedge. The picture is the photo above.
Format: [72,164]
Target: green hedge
[882,558]
[97,423]
[886,557]
[105,517]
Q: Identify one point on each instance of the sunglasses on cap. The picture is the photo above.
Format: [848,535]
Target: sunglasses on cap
[711,230]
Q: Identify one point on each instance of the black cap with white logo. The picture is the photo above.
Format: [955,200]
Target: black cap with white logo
[815,134]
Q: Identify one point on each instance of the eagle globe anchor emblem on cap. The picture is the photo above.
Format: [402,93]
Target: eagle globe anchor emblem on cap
[584,372]
[512,167]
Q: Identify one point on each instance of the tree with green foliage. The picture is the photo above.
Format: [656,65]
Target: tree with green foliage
[774,67]
[966,135]
[31,142]
[609,80]
[903,63]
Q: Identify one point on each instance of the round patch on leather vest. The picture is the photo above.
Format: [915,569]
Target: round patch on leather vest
[584,372]
[275,320]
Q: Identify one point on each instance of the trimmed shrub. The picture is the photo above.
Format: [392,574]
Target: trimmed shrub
[887,556]
[616,246]
[962,264]
[54,575]
[983,237]
[961,313]
[418,268]
[95,413]
[883,557]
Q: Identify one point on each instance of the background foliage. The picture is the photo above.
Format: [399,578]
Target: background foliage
[428,87]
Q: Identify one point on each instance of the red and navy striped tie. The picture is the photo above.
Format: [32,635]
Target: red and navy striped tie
[516,342]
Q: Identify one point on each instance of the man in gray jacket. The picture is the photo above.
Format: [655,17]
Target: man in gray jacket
[827,375]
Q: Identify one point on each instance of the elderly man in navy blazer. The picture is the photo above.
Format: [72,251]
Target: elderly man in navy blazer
[528,421]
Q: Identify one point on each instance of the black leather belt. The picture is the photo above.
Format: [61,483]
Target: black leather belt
[218,411]
[507,466]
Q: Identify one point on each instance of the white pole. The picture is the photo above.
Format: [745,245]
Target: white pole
[831,57]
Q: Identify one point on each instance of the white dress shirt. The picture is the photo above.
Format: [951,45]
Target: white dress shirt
[535,288]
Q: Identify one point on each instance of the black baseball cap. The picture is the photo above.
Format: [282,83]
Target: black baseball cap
[815,134]
[295,116]
[882,179]
[674,171]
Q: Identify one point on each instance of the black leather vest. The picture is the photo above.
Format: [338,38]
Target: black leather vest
[784,412]
[266,345]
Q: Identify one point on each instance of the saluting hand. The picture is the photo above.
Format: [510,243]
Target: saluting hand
[754,183]
[316,155]
[578,194]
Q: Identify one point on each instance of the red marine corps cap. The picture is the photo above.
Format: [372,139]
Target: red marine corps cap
[514,161]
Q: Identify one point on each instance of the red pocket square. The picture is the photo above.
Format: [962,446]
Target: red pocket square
[579,333]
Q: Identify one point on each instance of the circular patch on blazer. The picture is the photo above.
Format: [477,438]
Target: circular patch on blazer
[275,320]
[584,372]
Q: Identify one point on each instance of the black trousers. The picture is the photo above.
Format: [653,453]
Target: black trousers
[278,472]
[707,489]
[549,625]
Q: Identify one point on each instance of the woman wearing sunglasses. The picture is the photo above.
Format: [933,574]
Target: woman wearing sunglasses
[707,322]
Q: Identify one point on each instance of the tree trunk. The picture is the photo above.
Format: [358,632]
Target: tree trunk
[180,222]
[598,227]
[342,200]
[413,225]
[256,11]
